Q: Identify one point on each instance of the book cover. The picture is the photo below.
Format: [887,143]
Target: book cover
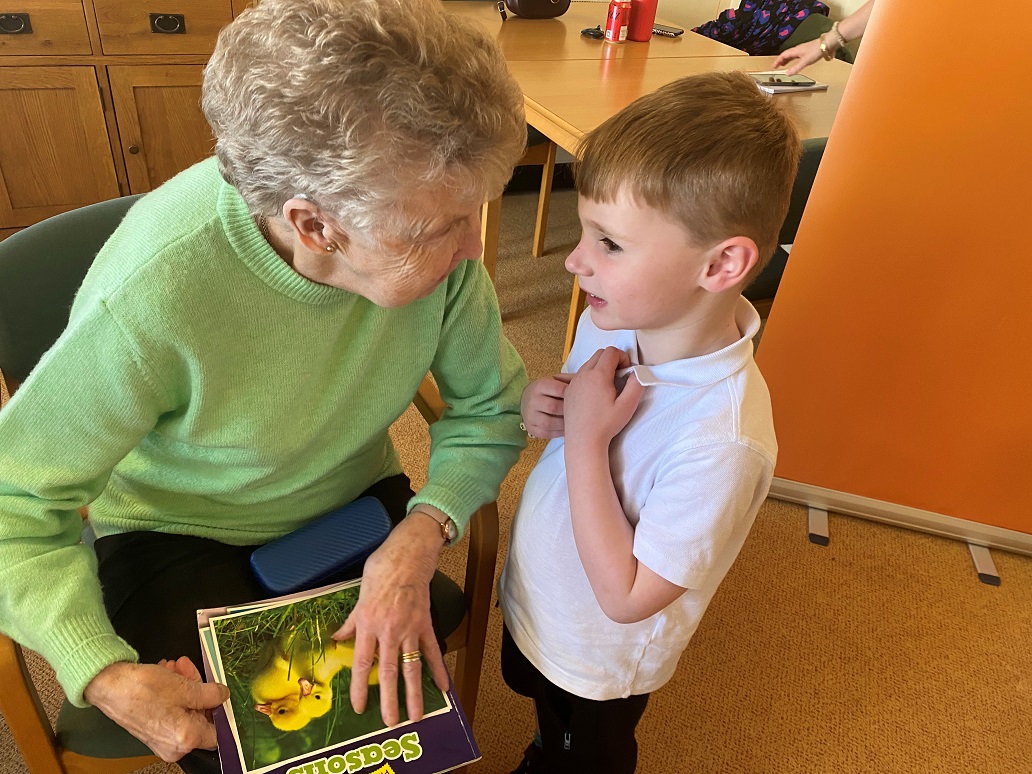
[289,710]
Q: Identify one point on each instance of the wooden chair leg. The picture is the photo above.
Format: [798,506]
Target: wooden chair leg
[577,303]
[490,226]
[547,172]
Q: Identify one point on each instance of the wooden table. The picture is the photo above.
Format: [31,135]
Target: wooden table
[560,39]
[565,113]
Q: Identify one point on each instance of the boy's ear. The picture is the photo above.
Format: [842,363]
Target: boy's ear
[730,262]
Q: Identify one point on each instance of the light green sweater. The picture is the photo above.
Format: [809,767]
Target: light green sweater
[203,387]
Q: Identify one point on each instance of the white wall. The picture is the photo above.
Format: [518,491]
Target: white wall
[692,13]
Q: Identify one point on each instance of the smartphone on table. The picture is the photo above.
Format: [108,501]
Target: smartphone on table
[784,80]
[666,30]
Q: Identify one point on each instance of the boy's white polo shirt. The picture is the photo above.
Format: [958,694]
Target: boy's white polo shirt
[691,468]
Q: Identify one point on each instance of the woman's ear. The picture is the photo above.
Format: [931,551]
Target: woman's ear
[730,263]
[304,217]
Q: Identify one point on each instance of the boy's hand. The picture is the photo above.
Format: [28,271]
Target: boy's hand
[542,406]
[595,409]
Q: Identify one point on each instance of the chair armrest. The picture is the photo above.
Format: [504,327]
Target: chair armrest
[480,563]
[480,570]
[428,401]
[24,713]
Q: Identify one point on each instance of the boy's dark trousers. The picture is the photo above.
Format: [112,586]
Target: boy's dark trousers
[577,734]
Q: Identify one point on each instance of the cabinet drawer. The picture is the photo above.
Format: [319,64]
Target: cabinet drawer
[161,26]
[30,27]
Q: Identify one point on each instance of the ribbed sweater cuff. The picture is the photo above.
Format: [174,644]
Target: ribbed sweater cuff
[79,649]
[457,497]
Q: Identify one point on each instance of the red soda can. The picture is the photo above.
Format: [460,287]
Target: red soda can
[618,20]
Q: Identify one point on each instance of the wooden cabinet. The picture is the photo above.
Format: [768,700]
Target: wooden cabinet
[161,128]
[54,151]
[99,98]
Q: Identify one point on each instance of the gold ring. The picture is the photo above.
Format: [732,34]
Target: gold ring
[412,655]
[523,427]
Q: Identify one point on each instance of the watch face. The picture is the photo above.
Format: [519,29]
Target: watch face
[450,530]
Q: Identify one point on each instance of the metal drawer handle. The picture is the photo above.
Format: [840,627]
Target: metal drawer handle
[168,23]
[15,24]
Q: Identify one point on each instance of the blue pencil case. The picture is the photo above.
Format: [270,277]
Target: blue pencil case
[322,551]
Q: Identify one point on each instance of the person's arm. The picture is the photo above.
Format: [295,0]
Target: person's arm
[86,404]
[481,378]
[473,445]
[392,616]
[595,412]
[805,54]
[61,435]
[854,25]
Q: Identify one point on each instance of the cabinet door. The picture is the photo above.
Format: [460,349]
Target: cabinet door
[54,149]
[160,124]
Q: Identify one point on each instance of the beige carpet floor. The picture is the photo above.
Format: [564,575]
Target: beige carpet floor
[880,653]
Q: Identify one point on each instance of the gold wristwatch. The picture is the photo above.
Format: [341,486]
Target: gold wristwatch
[826,53]
[448,529]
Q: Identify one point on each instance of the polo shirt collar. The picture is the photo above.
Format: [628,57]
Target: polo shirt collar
[703,370]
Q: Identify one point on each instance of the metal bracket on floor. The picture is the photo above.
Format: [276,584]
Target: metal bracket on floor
[984,565]
[817,526]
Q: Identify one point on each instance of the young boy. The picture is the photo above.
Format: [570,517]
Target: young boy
[663,442]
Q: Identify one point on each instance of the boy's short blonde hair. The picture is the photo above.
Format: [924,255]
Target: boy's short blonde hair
[711,151]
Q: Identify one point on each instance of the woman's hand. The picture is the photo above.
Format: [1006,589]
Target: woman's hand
[542,406]
[596,410]
[393,617]
[804,55]
[164,705]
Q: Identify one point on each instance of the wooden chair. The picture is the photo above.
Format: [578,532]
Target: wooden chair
[540,150]
[40,270]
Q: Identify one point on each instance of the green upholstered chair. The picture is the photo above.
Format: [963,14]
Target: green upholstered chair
[41,268]
[761,291]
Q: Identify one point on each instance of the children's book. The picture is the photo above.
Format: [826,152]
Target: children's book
[289,710]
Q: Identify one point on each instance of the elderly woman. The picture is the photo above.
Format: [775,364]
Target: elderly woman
[243,342]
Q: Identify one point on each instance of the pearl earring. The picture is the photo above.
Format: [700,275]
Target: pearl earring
[330,248]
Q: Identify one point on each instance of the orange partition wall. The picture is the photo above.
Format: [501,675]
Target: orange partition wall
[899,349]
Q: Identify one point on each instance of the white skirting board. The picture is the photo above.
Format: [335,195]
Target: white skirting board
[902,516]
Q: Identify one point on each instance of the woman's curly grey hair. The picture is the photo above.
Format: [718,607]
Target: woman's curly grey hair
[348,101]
